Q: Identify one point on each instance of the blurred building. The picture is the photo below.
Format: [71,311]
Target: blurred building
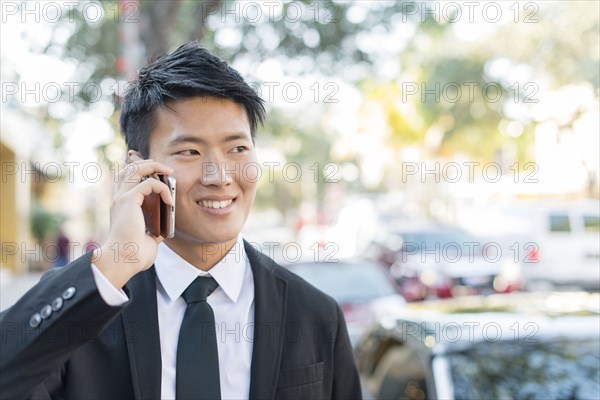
[15,192]
[31,188]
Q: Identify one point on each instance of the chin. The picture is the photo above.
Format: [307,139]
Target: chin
[201,238]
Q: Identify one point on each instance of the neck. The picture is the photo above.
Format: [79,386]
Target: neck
[203,256]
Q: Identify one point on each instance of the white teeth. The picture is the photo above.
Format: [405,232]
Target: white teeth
[215,204]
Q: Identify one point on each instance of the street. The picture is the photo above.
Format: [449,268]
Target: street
[12,287]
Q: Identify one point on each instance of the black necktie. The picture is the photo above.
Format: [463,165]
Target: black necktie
[197,375]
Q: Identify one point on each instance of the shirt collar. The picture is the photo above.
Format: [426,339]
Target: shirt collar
[175,274]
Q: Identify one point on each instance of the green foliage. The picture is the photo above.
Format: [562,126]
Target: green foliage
[350,41]
[44,223]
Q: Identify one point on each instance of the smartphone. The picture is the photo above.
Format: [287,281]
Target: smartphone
[158,215]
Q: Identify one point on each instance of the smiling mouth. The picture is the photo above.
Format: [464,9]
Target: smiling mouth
[215,204]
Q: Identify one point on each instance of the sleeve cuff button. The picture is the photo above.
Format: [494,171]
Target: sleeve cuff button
[46,312]
[35,321]
[57,304]
[69,293]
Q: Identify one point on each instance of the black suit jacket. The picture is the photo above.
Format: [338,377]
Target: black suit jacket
[89,350]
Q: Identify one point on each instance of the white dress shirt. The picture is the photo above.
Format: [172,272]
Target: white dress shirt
[232,303]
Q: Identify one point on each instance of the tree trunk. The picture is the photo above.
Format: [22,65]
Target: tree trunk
[157,26]
[203,10]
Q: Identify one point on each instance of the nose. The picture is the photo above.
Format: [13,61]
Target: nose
[215,173]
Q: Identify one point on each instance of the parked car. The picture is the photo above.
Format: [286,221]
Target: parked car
[364,290]
[515,346]
[441,261]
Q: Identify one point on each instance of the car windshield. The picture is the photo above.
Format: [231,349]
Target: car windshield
[346,283]
[429,240]
[561,369]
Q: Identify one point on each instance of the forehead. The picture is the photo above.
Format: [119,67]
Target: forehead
[209,118]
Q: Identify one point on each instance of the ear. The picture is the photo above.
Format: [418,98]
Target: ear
[133,155]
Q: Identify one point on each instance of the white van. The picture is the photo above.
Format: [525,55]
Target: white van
[567,237]
[558,242]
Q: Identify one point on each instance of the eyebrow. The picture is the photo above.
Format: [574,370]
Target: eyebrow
[195,139]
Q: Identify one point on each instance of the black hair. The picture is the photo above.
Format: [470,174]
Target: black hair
[190,71]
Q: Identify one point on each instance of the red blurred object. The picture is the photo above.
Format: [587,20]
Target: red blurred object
[357,313]
[121,65]
[443,292]
[533,256]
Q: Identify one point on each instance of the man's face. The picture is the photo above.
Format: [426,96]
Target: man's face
[207,141]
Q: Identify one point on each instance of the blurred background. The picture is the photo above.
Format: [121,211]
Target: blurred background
[451,146]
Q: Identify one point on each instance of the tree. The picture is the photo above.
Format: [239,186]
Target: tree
[352,40]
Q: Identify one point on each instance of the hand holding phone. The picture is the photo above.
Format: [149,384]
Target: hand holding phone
[129,247]
[158,215]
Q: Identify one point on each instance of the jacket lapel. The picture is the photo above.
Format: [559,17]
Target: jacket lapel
[270,305]
[140,321]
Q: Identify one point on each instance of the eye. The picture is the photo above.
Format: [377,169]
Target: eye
[189,152]
[239,149]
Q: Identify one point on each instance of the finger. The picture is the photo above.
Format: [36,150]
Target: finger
[129,173]
[150,186]
[139,169]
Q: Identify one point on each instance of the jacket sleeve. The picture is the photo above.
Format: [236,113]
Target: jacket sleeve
[58,315]
[346,382]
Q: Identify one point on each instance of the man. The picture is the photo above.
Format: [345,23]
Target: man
[116,322]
